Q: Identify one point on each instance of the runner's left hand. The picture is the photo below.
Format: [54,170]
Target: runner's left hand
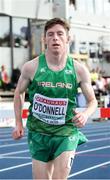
[80,119]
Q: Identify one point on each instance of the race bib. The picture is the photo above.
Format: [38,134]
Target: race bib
[50,110]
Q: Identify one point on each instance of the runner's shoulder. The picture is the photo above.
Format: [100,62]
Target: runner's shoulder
[30,65]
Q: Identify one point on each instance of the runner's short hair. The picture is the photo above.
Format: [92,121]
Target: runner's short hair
[52,22]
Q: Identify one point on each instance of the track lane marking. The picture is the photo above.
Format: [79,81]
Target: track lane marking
[14,144]
[15,152]
[88,169]
[94,149]
[14,167]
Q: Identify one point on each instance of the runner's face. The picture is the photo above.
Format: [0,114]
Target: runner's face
[56,39]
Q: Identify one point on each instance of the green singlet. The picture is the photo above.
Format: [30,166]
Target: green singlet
[52,95]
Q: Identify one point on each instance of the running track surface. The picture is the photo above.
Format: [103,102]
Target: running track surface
[92,160]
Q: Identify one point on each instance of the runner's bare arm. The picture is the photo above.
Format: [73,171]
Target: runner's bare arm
[85,83]
[27,75]
[20,93]
[88,91]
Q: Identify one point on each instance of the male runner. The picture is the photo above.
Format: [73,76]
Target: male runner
[53,124]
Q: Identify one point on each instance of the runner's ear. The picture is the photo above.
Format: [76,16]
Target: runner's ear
[68,39]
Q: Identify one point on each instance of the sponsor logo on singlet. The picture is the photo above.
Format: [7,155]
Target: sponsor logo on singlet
[43,70]
[50,110]
[67,71]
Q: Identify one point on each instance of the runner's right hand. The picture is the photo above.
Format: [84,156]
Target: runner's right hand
[18,132]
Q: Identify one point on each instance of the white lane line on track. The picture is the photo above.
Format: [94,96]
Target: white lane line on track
[9,132]
[96,126]
[7,135]
[15,152]
[98,134]
[97,130]
[99,139]
[94,149]
[16,157]
[88,169]
[11,139]
[14,167]
[14,144]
